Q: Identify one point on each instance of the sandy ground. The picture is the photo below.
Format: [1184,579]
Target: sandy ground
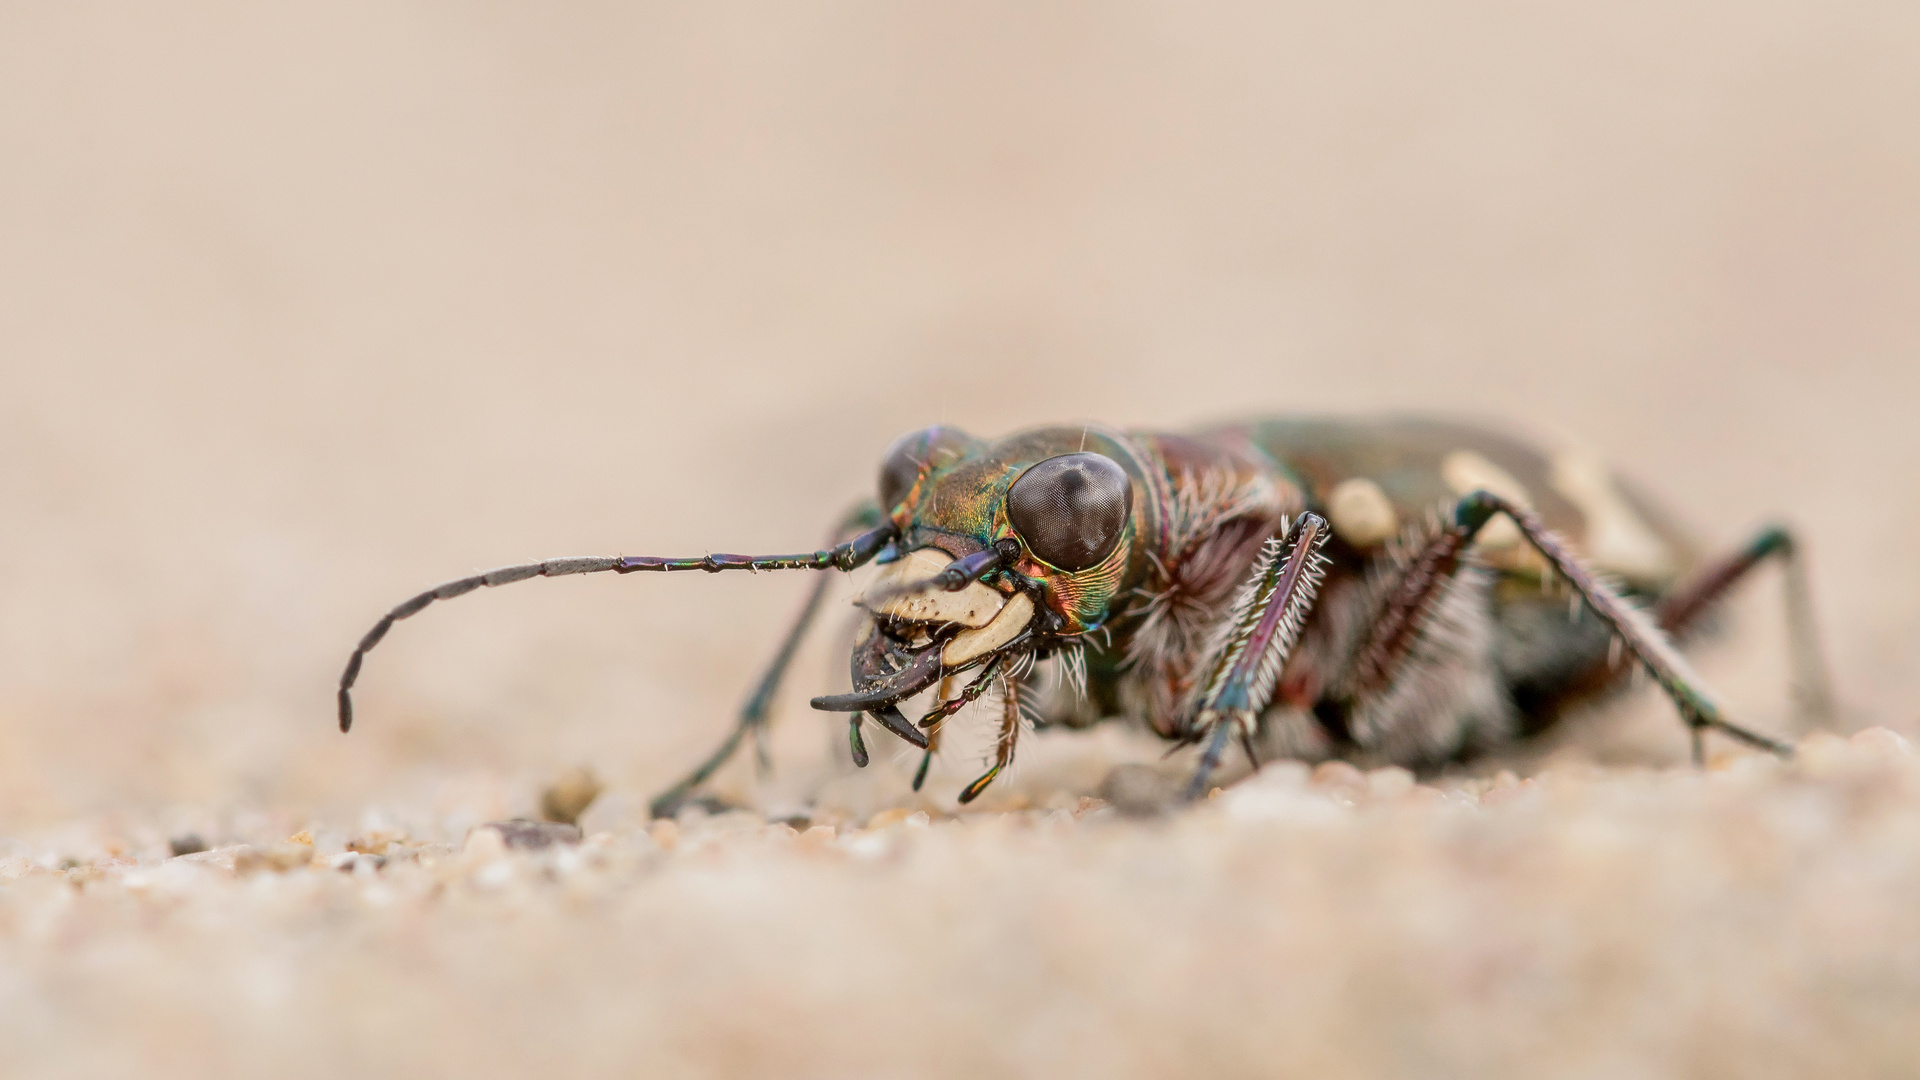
[302,310]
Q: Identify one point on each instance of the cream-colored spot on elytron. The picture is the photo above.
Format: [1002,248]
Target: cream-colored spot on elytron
[1466,472]
[973,606]
[1617,540]
[971,644]
[1361,512]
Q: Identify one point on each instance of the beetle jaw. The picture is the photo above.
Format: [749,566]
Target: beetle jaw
[913,636]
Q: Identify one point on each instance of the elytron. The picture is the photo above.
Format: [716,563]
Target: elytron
[1391,590]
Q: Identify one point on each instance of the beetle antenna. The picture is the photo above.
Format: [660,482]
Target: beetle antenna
[958,575]
[847,556]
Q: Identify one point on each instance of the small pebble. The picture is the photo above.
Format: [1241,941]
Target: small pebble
[278,858]
[570,795]
[484,844]
[188,844]
[1389,783]
[665,833]
[376,842]
[1283,773]
[1338,775]
[1140,790]
[1881,740]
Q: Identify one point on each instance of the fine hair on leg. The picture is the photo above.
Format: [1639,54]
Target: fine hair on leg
[1258,634]
[1004,744]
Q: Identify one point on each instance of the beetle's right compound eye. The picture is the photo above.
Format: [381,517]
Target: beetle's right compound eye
[913,453]
[1071,509]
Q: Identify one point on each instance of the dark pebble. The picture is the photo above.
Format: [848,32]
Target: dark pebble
[529,835]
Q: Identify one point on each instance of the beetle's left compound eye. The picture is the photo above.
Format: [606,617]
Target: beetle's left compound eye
[914,452]
[1071,509]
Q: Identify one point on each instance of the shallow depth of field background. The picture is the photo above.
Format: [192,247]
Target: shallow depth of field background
[304,309]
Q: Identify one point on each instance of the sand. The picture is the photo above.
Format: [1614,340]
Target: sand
[304,310]
[1754,920]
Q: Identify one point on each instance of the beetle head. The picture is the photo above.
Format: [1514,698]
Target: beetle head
[1001,549]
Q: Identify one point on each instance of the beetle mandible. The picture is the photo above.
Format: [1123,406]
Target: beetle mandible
[1395,590]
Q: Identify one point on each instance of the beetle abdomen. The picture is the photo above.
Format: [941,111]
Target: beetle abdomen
[1374,477]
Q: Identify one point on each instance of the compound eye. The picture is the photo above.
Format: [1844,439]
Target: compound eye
[910,454]
[1070,509]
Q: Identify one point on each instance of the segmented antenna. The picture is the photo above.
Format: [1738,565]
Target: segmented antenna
[845,556]
[958,575]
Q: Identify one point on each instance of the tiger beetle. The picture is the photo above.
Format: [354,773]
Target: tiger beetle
[1388,591]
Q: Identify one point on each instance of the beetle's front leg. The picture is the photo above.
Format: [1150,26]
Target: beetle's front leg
[1004,744]
[1260,631]
[753,715]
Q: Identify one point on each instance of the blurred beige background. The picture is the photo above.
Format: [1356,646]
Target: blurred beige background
[303,309]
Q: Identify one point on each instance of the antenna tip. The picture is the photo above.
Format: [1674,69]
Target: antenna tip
[346,711]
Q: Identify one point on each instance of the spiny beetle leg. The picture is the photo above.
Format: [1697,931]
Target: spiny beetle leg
[753,715]
[970,693]
[1270,613]
[1216,749]
[1643,639]
[1004,746]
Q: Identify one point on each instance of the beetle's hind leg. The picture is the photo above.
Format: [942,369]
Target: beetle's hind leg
[1683,606]
[1642,637]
